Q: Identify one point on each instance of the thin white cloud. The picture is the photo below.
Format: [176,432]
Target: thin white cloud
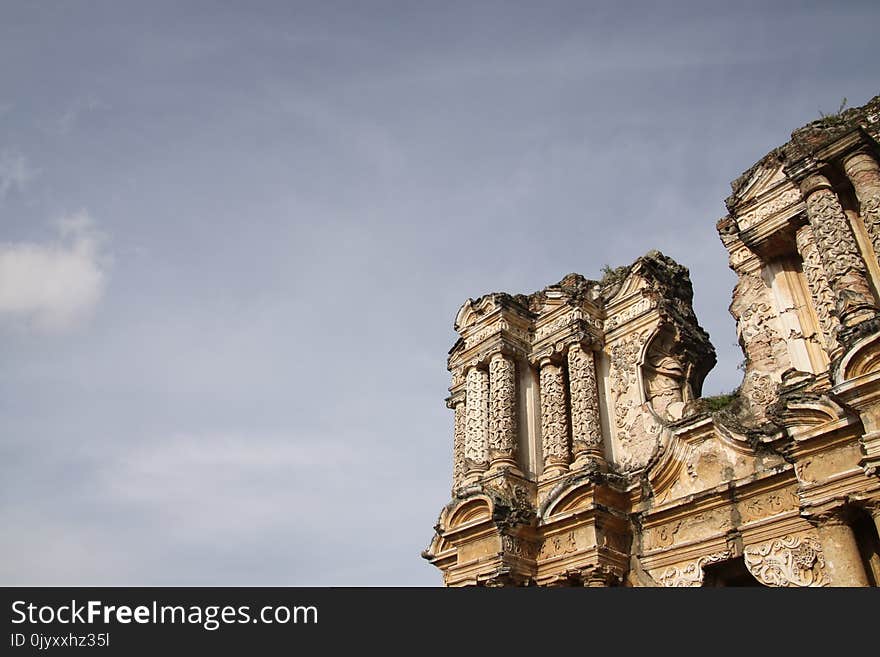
[15,172]
[54,287]
[66,122]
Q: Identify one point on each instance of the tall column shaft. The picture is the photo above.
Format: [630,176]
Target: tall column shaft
[820,291]
[554,423]
[842,557]
[864,173]
[841,259]
[502,394]
[476,446]
[586,431]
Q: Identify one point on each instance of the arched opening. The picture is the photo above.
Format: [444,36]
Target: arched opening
[732,572]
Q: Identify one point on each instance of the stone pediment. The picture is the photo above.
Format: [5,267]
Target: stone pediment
[472,311]
[765,179]
[703,456]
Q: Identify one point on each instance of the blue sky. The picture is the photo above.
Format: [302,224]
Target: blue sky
[234,236]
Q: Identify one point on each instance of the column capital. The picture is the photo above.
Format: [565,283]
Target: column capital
[456,399]
[871,505]
[582,340]
[546,357]
[475,364]
[500,354]
[598,576]
[861,156]
[830,514]
[813,183]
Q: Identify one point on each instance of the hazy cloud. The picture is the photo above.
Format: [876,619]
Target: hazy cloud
[75,110]
[53,287]
[15,172]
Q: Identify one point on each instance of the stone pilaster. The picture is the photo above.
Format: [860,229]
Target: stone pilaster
[554,422]
[820,291]
[476,447]
[841,259]
[502,395]
[586,430]
[864,173]
[842,558]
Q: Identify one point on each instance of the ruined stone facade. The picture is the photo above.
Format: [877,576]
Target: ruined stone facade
[584,454]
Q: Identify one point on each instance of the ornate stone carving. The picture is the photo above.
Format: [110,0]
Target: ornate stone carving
[519,547]
[636,429]
[870,211]
[820,291]
[864,173]
[768,208]
[482,334]
[839,252]
[624,356]
[642,306]
[762,389]
[458,445]
[690,575]
[554,424]
[664,376]
[769,504]
[586,432]
[476,450]
[502,389]
[787,561]
[558,324]
[757,325]
[458,376]
[662,536]
[558,545]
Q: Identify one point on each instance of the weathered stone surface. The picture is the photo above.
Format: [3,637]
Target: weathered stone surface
[584,454]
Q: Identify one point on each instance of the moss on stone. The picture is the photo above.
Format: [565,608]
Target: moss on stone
[719,402]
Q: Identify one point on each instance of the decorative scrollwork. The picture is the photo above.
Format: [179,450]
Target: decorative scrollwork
[502,387]
[820,291]
[691,575]
[788,561]
[554,424]
[477,428]
[585,429]
[839,252]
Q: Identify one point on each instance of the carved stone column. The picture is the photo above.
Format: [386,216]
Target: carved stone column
[554,422]
[842,557]
[864,173]
[586,431]
[837,247]
[820,291]
[597,577]
[458,442]
[476,446]
[502,430]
